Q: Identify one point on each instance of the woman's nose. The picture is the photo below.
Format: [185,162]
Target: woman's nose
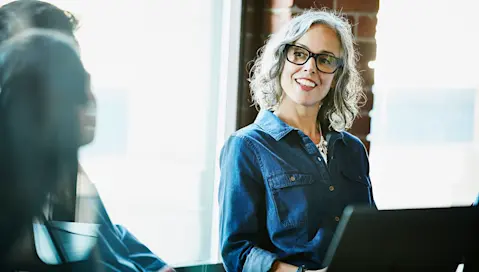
[310,66]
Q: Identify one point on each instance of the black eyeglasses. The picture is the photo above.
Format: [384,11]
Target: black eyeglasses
[325,63]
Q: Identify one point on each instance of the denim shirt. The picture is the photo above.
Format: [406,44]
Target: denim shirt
[279,200]
[118,250]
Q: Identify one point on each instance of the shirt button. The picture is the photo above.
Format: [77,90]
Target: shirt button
[331,188]
[336,218]
[292,178]
[319,158]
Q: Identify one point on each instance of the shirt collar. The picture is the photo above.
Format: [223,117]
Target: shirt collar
[277,129]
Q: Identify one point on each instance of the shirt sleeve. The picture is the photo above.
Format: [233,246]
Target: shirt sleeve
[242,208]
[119,250]
[139,253]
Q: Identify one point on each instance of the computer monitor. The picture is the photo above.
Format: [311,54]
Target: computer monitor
[433,239]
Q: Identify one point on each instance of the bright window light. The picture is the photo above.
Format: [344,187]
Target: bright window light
[162,114]
[424,130]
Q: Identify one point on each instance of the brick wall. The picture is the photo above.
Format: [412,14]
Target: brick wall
[261,18]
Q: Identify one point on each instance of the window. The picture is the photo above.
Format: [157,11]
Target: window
[164,75]
[424,131]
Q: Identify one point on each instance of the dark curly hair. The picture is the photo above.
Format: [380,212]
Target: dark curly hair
[42,84]
[20,15]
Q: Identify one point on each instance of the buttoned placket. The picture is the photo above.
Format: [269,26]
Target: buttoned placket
[323,167]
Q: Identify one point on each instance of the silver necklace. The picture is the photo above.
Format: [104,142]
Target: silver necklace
[322,145]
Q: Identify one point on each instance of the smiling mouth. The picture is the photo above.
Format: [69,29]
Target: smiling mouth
[306,83]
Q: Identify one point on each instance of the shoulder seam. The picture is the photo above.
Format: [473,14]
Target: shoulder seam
[248,141]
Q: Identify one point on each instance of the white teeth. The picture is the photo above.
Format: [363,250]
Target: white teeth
[306,82]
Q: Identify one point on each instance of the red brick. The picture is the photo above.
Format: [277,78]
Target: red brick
[274,21]
[246,97]
[250,48]
[367,26]
[246,114]
[352,22]
[250,22]
[250,4]
[369,100]
[361,126]
[358,5]
[368,75]
[367,51]
[245,67]
[305,4]
[279,3]
[251,43]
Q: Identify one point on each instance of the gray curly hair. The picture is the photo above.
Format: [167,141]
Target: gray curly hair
[341,106]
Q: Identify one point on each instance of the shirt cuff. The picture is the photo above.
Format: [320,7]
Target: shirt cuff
[259,260]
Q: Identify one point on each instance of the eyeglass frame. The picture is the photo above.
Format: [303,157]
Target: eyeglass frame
[314,55]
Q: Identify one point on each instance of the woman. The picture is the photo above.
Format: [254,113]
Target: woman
[120,248]
[286,178]
[42,87]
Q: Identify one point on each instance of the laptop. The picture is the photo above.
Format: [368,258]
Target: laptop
[432,239]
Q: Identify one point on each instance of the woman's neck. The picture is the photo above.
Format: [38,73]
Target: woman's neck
[302,118]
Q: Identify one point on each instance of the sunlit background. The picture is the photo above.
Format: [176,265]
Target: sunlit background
[155,69]
[425,120]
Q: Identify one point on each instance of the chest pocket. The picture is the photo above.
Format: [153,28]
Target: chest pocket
[357,185]
[290,194]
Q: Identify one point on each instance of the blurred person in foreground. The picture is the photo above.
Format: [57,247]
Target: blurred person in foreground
[119,245]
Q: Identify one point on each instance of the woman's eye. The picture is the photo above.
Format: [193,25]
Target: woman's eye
[325,60]
[299,54]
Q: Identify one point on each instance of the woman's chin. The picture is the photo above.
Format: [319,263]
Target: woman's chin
[308,103]
[88,135]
